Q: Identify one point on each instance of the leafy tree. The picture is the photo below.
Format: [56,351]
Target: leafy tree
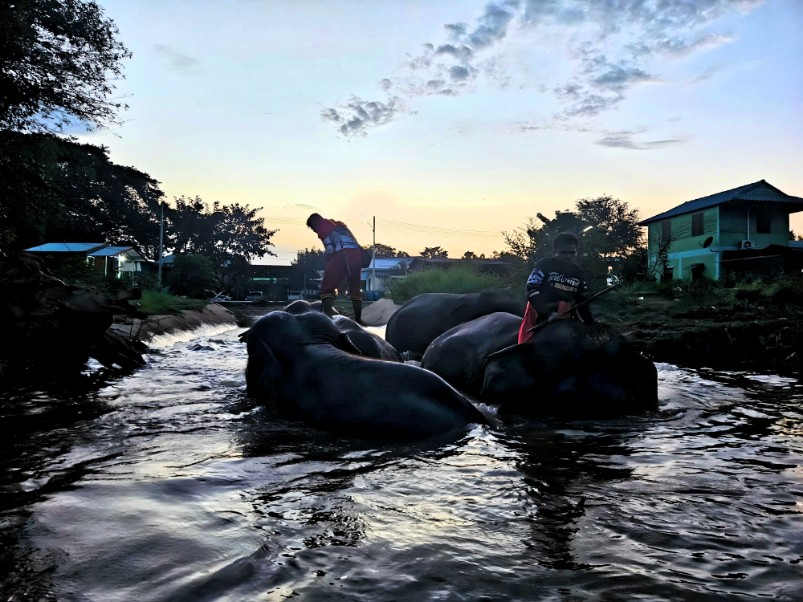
[220,232]
[388,252]
[191,275]
[434,253]
[57,189]
[310,258]
[606,227]
[57,61]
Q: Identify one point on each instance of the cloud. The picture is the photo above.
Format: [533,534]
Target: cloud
[357,116]
[625,140]
[176,60]
[610,47]
[613,139]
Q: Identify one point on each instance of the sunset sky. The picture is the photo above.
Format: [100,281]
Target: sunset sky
[451,122]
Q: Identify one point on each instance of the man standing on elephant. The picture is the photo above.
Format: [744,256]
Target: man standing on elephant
[554,286]
[343,262]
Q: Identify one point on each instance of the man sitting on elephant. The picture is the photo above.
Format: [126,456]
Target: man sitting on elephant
[554,286]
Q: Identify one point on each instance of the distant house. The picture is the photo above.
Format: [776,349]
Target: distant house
[283,282]
[742,231]
[122,261]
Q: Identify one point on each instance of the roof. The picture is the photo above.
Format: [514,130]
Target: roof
[390,263]
[757,192]
[66,247]
[112,251]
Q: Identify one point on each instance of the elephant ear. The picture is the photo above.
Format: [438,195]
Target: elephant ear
[263,370]
[345,343]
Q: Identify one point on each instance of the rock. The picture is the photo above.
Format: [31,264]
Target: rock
[48,328]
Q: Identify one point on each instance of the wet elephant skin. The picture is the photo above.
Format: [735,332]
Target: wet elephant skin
[424,317]
[571,370]
[307,367]
[459,354]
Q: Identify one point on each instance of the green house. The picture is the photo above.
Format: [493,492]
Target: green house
[738,232]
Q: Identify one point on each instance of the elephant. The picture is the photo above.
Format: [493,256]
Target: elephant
[300,306]
[458,355]
[416,323]
[368,343]
[307,367]
[572,370]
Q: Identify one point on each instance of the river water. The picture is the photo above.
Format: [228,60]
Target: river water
[170,484]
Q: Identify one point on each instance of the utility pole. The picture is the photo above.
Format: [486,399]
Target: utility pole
[161,242]
[373,259]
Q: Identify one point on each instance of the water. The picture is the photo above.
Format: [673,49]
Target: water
[170,484]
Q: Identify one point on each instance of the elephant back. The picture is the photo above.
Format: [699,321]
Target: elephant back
[424,317]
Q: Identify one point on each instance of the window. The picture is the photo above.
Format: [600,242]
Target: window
[763,223]
[666,230]
[697,228]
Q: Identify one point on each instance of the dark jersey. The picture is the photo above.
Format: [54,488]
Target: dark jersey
[554,280]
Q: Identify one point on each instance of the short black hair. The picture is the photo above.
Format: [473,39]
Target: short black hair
[564,238]
[313,219]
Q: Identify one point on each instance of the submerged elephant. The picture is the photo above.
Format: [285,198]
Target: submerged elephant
[368,343]
[305,365]
[458,355]
[419,321]
[571,370]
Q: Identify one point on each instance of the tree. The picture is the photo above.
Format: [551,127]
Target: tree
[434,253]
[223,233]
[310,258]
[191,275]
[57,189]
[388,252]
[607,230]
[57,59]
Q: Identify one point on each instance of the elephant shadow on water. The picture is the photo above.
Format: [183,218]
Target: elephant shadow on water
[562,474]
[310,369]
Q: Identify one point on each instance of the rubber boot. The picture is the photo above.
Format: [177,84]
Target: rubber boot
[328,306]
[357,305]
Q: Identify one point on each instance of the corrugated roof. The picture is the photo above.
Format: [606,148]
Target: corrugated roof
[66,247]
[759,191]
[109,251]
[390,263]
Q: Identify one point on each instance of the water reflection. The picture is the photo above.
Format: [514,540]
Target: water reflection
[171,484]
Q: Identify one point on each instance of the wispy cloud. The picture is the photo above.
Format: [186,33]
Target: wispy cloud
[176,61]
[611,46]
[625,140]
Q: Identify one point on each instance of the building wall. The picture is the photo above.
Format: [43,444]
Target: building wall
[727,225]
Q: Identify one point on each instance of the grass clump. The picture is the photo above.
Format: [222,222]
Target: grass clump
[454,280]
[155,303]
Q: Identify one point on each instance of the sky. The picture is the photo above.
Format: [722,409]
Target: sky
[449,123]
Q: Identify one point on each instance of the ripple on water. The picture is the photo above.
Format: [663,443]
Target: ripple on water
[172,484]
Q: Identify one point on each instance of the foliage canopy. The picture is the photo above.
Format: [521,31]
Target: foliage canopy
[57,61]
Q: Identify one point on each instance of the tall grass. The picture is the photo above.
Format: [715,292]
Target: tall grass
[155,303]
[454,280]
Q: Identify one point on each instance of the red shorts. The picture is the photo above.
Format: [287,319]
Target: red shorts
[340,266]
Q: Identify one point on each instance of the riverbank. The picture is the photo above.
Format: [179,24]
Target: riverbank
[712,331]
[703,332]
[188,319]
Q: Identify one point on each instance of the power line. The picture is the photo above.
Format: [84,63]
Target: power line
[407,227]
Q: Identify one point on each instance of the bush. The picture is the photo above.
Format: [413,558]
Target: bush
[191,275]
[453,280]
[155,303]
